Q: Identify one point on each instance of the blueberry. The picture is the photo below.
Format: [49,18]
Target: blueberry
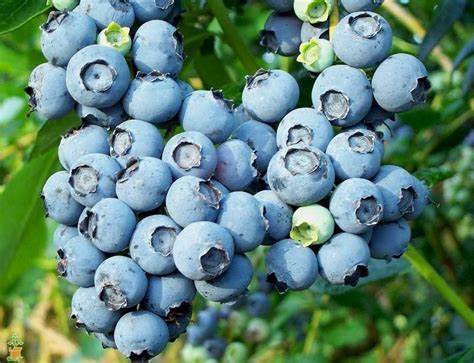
[304,126]
[108,225]
[82,141]
[313,224]
[243,215]
[258,304]
[107,340]
[116,37]
[105,12]
[47,92]
[300,175]
[240,115]
[290,266]
[191,199]
[342,94]
[316,55]
[208,320]
[367,235]
[281,34]
[219,187]
[236,167]
[313,11]
[280,5]
[62,234]
[262,140]
[390,240]
[362,39]
[380,121]
[203,250]
[146,10]
[108,117]
[64,34]
[143,184]
[141,335]
[317,31]
[169,296]
[195,335]
[360,5]
[120,283]
[78,260]
[269,95]
[231,284]
[97,76]
[186,88]
[178,325]
[357,205]
[152,243]
[344,259]
[92,178]
[421,199]
[277,213]
[400,82]
[215,347]
[190,153]
[89,312]
[208,112]
[63,5]
[357,153]
[158,46]
[145,89]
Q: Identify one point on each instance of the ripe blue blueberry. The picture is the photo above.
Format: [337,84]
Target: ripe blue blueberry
[316,31]
[240,115]
[343,94]
[108,225]
[208,320]
[143,184]
[290,266]
[269,95]
[64,34]
[243,216]
[344,259]
[107,117]
[195,335]
[186,88]
[178,325]
[208,112]
[421,199]
[203,250]
[215,347]
[281,34]
[97,76]
[390,240]
[357,205]
[352,6]
[229,285]
[62,234]
[258,304]
[379,121]
[219,187]
[300,175]
[105,12]
[146,10]
[277,213]
[280,5]
[107,340]
[120,283]
[140,100]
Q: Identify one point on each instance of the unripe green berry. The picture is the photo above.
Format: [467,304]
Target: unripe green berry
[236,352]
[257,330]
[116,37]
[63,5]
[313,224]
[316,55]
[313,11]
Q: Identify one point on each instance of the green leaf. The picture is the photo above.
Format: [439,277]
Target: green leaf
[420,118]
[14,13]
[209,67]
[464,53]
[433,176]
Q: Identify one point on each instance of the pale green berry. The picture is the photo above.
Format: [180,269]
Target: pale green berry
[257,330]
[116,37]
[313,224]
[63,5]
[313,11]
[316,55]
[236,352]
[191,354]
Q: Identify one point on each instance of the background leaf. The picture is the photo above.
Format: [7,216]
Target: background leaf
[14,13]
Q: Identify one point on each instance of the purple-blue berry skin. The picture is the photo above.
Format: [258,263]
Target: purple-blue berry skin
[170,295]
[97,76]
[108,225]
[89,312]
[240,115]
[191,199]
[281,34]
[82,141]
[356,205]
[220,187]
[64,34]
[195,335]
[157,46]
[258,304]
[344,259]
[316,31]
[352,6]
[362,39]
[105,12]
[106,340]
[357,153]
[280,5]
[390,240]
[367,235]
[141,335]
[186,88]
[57,200]
[343,94]
[140,100]
[190,153]
[236,167]
[242,215]
[151,246]
[92,178]
[108,117]
[208,112]
[78,260]
[262,140]
[277,213]
[291,266]
[231,284]
[215,347]
[203,250]
[300,175]
[421,199]
[305,126]
[178,325]
[120,283]
[62,234]
[269,95]
[146,10]
[208,320]
[400,83]
[47,92]
[143,184]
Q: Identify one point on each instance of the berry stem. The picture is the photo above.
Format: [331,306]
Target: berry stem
[434,279]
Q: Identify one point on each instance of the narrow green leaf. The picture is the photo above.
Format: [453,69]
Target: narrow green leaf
[14,13]
[420,118]
[464,53]
[209,67]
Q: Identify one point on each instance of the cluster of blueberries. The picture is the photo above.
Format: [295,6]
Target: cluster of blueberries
[147,220]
